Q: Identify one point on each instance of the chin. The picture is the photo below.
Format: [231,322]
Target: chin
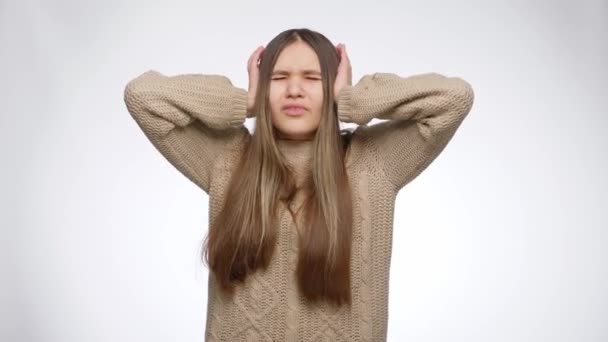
[297,134]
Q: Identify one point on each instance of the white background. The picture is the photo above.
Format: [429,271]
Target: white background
[503,238]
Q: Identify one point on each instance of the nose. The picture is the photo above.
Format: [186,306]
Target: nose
[294,88]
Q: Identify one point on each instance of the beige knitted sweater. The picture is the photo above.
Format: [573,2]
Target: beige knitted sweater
[197,122]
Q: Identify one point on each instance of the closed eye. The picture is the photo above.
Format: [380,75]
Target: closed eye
[309,78]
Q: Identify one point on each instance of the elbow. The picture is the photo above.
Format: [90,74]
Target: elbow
[462,97]
[456,103]
[131,98]
[467,94]
[136,88]
[457,93]
[138,83]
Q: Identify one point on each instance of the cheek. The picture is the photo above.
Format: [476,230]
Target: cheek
[317,95]
[273,98]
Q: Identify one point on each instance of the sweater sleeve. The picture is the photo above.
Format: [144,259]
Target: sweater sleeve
[191,119]
[422,111]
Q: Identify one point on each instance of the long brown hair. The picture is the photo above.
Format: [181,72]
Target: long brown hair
[242,238]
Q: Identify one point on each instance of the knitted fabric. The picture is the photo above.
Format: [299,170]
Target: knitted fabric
[197,122]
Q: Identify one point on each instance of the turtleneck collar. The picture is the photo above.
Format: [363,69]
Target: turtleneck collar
[298,154]
[295,149]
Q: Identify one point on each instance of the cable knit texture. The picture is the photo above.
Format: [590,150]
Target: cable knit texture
[197,122]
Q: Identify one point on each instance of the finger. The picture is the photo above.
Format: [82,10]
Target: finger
[345,53]
[249,60]
[254,56]
[258,55]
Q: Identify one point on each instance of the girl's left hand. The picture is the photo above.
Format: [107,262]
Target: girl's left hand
[345,73]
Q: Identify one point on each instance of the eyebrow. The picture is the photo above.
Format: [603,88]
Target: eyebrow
[306,72]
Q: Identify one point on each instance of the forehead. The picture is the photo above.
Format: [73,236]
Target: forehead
[297,57]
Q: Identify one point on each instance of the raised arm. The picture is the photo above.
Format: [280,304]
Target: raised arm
[423,113]
[191,119]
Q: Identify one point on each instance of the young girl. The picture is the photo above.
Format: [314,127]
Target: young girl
[300,212]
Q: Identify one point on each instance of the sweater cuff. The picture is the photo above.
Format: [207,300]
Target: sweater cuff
[238,109]
[344,104]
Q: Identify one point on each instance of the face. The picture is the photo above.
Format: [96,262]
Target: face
[296,92]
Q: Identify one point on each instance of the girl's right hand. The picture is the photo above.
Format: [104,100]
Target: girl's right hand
[254,71]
